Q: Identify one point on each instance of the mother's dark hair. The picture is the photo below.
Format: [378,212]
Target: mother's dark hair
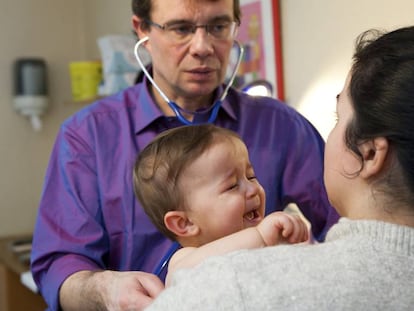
[382,95]
[142,9]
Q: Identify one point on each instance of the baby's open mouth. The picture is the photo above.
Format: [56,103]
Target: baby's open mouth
[251,215]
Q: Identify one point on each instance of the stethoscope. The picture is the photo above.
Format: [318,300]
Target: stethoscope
[166,259]
[177,109]
[160,268]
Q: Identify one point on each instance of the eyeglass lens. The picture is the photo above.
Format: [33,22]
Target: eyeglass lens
[182,32]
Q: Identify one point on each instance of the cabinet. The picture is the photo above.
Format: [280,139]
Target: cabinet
[14,296]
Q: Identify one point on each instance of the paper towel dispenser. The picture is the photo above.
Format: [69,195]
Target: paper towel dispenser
[30,89]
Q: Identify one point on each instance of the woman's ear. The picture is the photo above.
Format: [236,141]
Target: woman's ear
[178,223]
[374,153]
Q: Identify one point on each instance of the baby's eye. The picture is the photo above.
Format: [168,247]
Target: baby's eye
[233,186]
[252,177]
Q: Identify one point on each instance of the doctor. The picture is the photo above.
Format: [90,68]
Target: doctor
[94,248]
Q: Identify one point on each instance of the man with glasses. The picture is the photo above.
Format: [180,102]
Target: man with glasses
[93,246]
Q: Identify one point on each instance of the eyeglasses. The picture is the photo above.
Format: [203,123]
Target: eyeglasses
[182,32]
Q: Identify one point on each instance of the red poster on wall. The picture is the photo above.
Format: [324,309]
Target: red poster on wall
[259,33]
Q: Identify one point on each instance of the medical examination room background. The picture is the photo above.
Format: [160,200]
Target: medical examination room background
[317,44]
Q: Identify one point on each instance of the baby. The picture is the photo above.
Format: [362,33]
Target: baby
[198,187]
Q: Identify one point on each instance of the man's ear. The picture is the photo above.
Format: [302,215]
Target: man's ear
[374,153]
[178,223]
[139,30]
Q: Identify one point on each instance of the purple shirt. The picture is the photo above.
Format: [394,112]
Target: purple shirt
[89,218]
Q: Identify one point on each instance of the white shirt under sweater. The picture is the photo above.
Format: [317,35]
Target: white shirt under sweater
[363,265]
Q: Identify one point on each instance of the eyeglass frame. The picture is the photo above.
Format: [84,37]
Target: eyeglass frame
[233,26]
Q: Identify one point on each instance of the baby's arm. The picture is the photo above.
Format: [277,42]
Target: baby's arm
[276,228]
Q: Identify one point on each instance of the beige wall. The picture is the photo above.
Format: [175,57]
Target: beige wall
[106,17]
[59,31]
[40,28]
[317,37]
[318,41]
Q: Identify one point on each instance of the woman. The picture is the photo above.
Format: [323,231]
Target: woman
[367,260]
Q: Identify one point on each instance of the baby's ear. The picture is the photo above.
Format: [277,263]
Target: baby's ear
[375,153]
[178,223]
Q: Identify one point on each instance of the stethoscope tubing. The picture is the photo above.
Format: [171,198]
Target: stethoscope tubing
[162,265]
[177,110]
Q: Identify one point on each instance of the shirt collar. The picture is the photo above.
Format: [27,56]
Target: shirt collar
[149,111]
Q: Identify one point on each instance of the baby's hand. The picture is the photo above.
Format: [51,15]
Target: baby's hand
[281,227]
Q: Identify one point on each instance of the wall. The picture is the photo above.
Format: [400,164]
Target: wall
[317,36]
[105,17]
[40,28]
[318,42]
[59,31]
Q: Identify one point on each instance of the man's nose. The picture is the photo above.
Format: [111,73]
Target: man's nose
[201,42]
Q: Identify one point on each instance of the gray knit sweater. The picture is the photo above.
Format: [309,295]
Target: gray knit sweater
[363,265]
